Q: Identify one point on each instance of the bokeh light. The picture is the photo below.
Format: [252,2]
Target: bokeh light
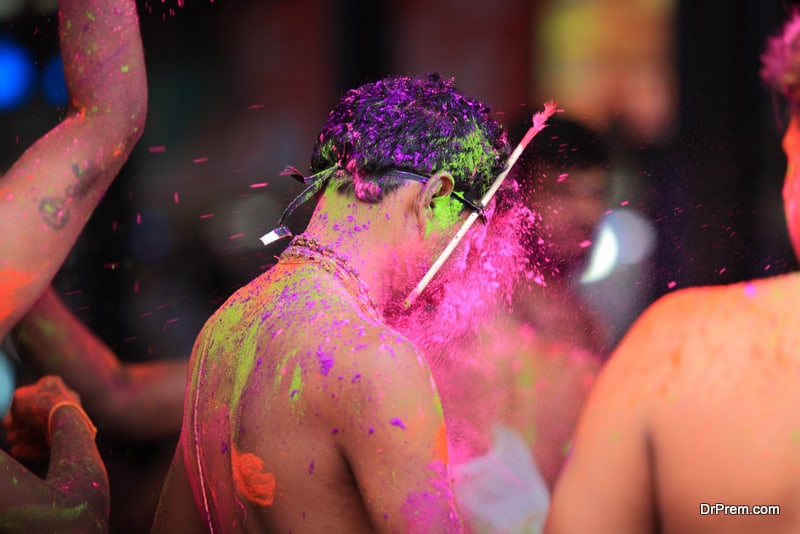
[17,75]
[625,237]
[8,381]
[605,255]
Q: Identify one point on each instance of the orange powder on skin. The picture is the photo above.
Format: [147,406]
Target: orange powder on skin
[251,480]
[11,281]
[440,446]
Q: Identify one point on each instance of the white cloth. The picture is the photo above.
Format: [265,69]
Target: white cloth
[502,492]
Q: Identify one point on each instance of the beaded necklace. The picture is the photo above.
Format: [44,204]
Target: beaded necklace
[307,249]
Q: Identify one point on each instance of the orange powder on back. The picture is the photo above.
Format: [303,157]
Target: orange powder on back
[252,481]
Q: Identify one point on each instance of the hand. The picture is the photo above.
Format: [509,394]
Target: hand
[27,422]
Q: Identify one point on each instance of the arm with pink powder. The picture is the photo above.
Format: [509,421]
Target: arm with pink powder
[49,193]
[45,199]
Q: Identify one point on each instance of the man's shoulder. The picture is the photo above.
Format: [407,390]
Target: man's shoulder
[377,344]
[724,303]
[658,335]
[680,309]
[778,291]
[687,329]
[372,361]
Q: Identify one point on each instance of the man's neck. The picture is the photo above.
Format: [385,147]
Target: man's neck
[366,235]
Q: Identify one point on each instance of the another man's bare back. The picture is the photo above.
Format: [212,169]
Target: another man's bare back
[694,411]
[693,425]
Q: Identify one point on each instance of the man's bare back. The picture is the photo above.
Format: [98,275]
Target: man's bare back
[294,344]
[693,424]
[694,412]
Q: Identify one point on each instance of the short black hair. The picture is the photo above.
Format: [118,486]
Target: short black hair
[422,125]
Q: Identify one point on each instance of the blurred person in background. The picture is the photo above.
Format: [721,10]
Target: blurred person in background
[688,427]
[565,178]
[129,400]
[512,394]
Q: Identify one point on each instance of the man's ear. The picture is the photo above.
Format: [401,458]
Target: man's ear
[439,185]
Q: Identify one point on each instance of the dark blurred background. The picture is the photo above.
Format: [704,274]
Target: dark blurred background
[239,88]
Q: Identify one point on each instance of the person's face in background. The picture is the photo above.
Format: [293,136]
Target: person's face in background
[791,184]
[571,203]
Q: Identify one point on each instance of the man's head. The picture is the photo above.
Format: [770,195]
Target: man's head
[780,70]
[564,177]
[418,125]
[427,127]
[434,150]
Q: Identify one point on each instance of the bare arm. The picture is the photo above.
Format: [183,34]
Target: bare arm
[75,495]
[132,401]
[398,452]
[176,510]
[52,189]
[607,484]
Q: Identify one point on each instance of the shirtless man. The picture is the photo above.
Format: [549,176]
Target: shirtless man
[694,413]
[45,198]
[304,411]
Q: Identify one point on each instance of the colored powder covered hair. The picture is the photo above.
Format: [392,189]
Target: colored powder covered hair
[420,125]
